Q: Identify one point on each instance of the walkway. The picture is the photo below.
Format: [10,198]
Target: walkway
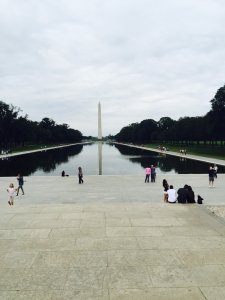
[111,238]
[188,156]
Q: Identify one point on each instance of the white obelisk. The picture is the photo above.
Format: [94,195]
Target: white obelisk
[99,122]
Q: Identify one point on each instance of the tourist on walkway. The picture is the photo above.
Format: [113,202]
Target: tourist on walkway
[183,194]
[147,172]
[21,182]
[172,195]
[153,173]
[11,190]
[80,175]
[165,187]
[215,170]
[211,177]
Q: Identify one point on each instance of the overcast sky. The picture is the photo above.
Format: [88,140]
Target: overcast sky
[142,59]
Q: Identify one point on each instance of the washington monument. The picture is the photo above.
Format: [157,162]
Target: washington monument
[99,122]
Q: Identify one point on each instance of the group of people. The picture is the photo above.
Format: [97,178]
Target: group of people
[183,195]
[184,151]
[15,191]
[150,172]
[163,148]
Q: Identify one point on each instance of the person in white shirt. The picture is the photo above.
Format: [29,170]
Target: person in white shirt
[172,195]
[11,190]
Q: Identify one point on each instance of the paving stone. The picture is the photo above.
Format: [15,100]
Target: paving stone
[7,295]
[201,256]
[82,216]
[33,295]
[85,278]
[54,223]
[104,208]
[77,232]
[6,217]
[106,223]
[92,294]
[212,241]
[126,277]
[142,257]
[18,260]
[25,217]
[63,209]
[31,245]
[169,242]
[5,245]
[106,243]
[24,233]
[146,207]
[189,231]
[187,276]
[14,224]
[192,293]
[133,231]
[71,259]
[155,222]
[213,293]
[127,215]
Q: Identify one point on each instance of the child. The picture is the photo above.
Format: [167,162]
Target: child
[11,190]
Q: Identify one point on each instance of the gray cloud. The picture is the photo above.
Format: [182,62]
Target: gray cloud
[140,59]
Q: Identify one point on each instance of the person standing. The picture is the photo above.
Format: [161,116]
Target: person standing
[152,173]
[172,195]
[80,175]
[211,177]
[147,172]
[11,190]
[20,182]
[215,170]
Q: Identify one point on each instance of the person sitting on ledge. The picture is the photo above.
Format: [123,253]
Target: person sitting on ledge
[183,195]
[191,194]
[172,195]
[63,173]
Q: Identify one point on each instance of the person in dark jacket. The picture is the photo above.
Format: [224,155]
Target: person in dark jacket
[183,195]
[153,173]
[80,175]
[211,177]
[191,194]
[20,181]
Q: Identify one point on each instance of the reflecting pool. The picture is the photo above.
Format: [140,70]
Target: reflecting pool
[99,159]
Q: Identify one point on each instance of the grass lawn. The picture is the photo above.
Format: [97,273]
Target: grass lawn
[212,152]
[32,147]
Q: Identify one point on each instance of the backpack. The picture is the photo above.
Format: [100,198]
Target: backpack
[199,199]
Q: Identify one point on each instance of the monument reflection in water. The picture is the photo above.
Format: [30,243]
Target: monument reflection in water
[99,158]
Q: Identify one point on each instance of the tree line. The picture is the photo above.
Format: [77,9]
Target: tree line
[17,130]
[187,130]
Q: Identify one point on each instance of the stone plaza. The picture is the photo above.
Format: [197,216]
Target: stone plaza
[111,238]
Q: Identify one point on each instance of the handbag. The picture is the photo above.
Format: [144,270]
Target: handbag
[199,199]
